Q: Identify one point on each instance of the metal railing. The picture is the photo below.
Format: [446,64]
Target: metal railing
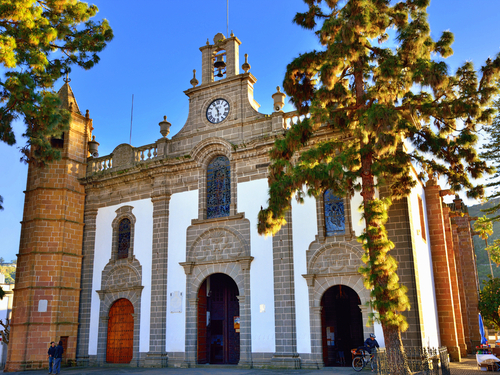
[425,361]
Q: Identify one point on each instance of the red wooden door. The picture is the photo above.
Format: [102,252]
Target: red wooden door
[119,348]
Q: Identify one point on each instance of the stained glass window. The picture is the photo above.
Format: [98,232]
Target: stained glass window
[334,214]
[218,187]
[123,238]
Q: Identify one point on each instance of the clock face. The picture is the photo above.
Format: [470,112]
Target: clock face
[217,111]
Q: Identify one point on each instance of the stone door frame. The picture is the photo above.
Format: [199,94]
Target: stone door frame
[196,274]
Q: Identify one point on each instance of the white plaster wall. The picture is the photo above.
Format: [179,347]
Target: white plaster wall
[379,333]
[428,306]
[358,224]
[251,196]
[183,208]
[143,243]
[305,228]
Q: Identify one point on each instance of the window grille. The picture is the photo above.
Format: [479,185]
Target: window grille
[218,187]
[334,214]
[124,238]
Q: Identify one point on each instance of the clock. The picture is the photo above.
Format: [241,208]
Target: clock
[217,111]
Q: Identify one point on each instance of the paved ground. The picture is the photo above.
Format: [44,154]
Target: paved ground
[466,367]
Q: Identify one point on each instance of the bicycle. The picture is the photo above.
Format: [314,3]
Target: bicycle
[362,358]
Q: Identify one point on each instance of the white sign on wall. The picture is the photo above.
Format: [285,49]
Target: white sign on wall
[176,302]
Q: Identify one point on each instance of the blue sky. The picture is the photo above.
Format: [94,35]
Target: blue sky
[156,48]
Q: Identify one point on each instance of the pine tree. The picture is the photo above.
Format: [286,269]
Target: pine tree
[491,153]
[489,301]
[39,42]
[387,106]
[484,228]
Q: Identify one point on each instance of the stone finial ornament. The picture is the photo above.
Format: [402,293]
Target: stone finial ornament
[93,147]
[279,99]
[219,37]
[246,66]
[194,81]
[164,127]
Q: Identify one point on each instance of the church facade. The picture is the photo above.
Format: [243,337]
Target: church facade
[150,256]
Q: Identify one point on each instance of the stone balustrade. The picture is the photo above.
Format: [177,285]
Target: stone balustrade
[145,153]
[95,165]
[124,156]
[291,118]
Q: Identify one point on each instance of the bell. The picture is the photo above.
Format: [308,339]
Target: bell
[219,63]
[219,73]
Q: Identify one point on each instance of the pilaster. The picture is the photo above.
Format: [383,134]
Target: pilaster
[159,281]
[467,279]
[441,268]
[286,355]
[454,260]
[82,355]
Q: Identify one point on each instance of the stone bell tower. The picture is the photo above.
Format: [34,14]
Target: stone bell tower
[47,289]
[223,50]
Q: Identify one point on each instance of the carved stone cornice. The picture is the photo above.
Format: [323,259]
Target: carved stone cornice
[244,262]
[137,289]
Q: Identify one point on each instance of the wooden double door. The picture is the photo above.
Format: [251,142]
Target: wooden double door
[119,347]
[218,321]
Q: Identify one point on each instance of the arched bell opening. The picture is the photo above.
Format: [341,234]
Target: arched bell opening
[218,327]
[341,324]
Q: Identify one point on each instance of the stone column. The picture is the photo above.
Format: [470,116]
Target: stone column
[441,268]
[245,334]
[453,257]
[102,337]
[191,332]
[286,355]
[245,317]
[158,320]
[468,283]
[316,339]
[82,355]
[207,70]
[232,56]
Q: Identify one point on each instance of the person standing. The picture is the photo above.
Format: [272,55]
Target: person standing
[51,353]
[58,358]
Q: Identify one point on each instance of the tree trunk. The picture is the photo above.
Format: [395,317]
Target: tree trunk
[396,356]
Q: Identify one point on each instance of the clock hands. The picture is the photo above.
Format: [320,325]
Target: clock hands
[217,111]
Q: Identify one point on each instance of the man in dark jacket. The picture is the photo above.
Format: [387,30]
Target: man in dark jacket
[58,358]
[371,343]
[51,353]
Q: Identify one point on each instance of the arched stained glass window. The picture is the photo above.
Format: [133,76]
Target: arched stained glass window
[218,187]
[123,238]
[334,214]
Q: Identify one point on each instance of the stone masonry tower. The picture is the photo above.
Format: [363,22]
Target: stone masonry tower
[47,290]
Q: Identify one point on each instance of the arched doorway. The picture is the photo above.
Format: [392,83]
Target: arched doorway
[119,347]
[341,324]
[218,321]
